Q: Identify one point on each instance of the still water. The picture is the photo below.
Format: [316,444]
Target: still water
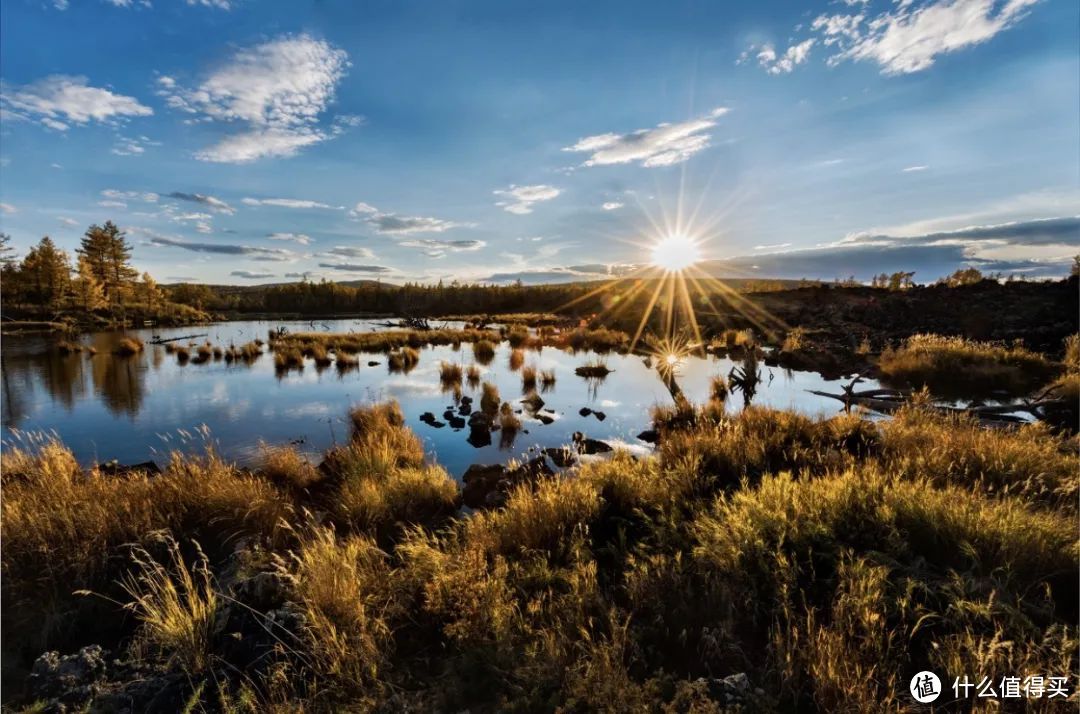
[137,408]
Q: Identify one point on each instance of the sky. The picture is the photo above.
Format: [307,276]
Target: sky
[255,141]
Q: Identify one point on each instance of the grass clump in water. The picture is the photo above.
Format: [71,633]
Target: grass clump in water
[954,366]
[484,351]
[128,347]
[404,360]
[595,368]
[450,374]
[489,398]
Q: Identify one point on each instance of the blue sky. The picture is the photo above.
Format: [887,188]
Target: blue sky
[248,141]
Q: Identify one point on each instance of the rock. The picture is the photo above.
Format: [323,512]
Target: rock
[736,682]
[114,468]
[465,409]
[373,363]
[601,416]
[429,419]
[486,486]
[456,422]
[70,679]
[649,436]
[584,411]
[545,418]
[561,456]
[533,402]
[585,445]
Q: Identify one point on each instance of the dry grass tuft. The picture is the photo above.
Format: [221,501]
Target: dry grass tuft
[128,347]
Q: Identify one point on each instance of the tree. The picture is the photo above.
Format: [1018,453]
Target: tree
[963,276]
[108,254]
[7,253]
[86,289]
[46,272]
[900,280]
[148,292]
[1075,269]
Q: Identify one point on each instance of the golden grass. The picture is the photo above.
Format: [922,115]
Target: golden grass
[956,366]
[528,379]
[547,379]
[594,368]
[404,360]
[825,558]
[794,341]
[516,359]
[489,398]
[128,347]
[450,374]
[483,351]
[288,358]
[473,375]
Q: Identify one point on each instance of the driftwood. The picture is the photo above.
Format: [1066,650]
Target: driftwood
[161,341]
[411,323]
[887,401]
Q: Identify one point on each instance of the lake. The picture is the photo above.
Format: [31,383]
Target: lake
[137,408]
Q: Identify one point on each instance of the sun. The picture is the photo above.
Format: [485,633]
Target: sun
[675,252]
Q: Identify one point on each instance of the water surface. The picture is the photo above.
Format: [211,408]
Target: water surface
[133,409]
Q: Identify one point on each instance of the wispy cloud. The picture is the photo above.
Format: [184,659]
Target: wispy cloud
[612,205]
[276,91]
[254,252]
[663,145]
[911,169]
[355,268]
[439,248]
[211,202]
[132,146]
[349,252]
[783,63]
[393,224]
[520,199]
[251,274]
[60,100]
[301,238]
[8,208]
[287,203]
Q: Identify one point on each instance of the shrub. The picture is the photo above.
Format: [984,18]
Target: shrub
[794,341]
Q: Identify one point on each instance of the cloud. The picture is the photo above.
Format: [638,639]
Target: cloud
[112,204]
[439,248]
[128,146]
[910,169]
[393,224]
[664,145]
[262,254]
[214,204]
[216,4]
[60,100]
[69,222]
[612,205]
[276,91]
[354,268]
[8,208]
[908,38]
[144,196]
[300,238]
[520,199]
[251,274]
[783,64]
[286,203]
[347,252]
[567,274]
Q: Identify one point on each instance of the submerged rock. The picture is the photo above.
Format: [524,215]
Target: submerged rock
[486,486]
[561,456]
[585,445]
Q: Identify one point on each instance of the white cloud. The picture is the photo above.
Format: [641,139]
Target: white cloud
[8,208]
[112,204]
[277,90]
[664,145]
[393,224]
[783,64]
[115,195]
[910,169]
[520,199]
[342,251]
[300,238]
[132,146]
[59,100]
[69,222]
[439,248]
[204,227]
[906,39]
[213,203]
[286,203]
[612,205]
[217,4]
[251,274]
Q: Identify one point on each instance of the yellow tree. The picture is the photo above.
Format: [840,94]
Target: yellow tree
[87,291]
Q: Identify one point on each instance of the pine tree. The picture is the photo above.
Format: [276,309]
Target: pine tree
[108,254]
[87,292]
[47,272]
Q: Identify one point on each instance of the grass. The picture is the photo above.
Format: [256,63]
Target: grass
[404,360]
[183,354]
[128,347]
[384,341]
[288,358]
[489,398]
[66,347]
[473,375]
[794,341]
[547,379]
[450,374]
[828,559]
[320,357]
[345,361]
[954,366]
[528,379]
[516,359]
[594,368]
[509,422]
[483,351]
